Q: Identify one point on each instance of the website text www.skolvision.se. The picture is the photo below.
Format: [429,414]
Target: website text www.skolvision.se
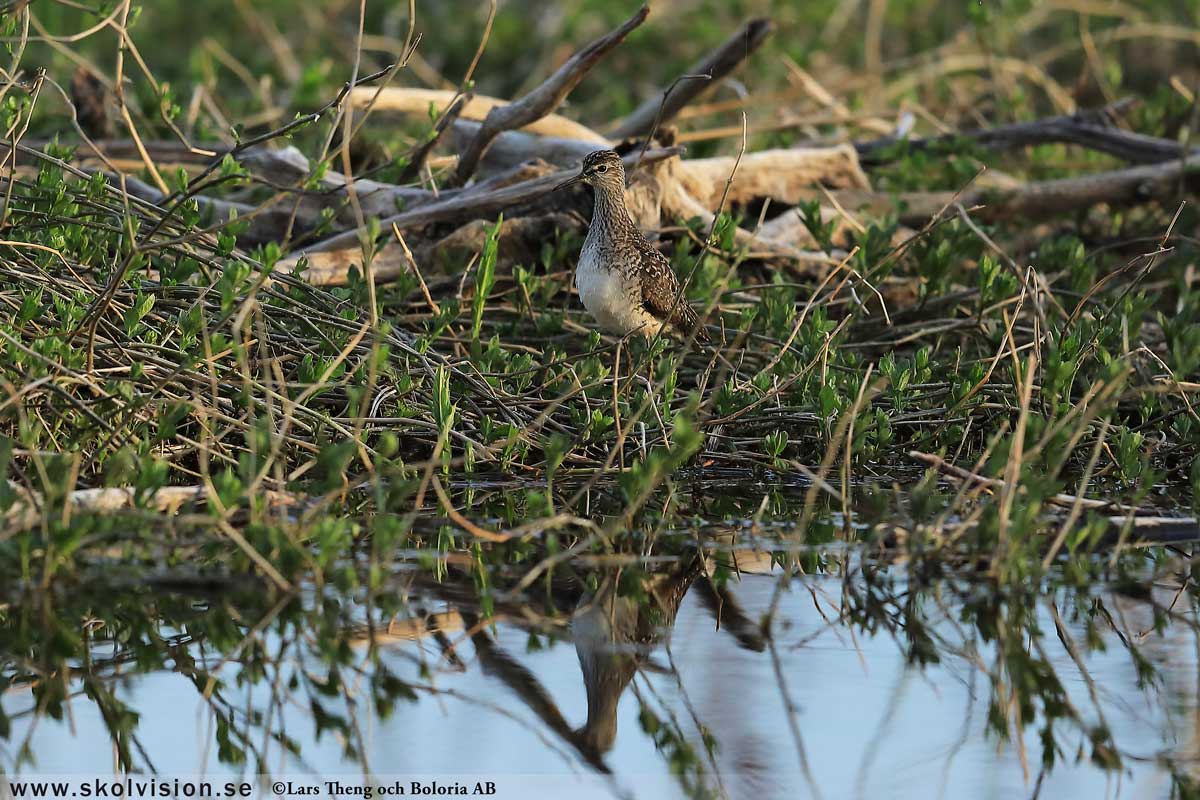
[123,788]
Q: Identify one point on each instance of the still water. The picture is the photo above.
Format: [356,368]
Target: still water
[666,685]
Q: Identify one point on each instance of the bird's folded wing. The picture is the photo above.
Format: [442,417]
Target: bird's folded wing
[661,295]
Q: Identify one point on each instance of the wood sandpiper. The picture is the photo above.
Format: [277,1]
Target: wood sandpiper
[625,283]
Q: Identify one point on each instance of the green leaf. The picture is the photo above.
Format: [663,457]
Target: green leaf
[485,277]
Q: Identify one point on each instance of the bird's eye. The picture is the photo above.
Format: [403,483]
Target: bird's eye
[602,168]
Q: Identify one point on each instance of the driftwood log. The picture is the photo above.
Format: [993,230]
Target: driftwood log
[672,189]
[509,155]
[519,242]
[1157,183]
[405,100]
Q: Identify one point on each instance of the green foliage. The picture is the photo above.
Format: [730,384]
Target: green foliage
[485,276]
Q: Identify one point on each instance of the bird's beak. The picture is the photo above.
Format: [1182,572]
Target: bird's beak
[569,182]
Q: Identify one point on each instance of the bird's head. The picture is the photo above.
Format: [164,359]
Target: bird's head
[600,168]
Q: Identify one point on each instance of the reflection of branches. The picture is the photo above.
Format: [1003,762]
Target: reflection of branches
[1068,644]
[930,617]
[618,608]
[28,674]
[669,738]
[963,734]
[691,709]
[118,720]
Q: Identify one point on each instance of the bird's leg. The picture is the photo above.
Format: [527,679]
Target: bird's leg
[662,426]
[631,370]
[616,406]
[650,374]
[651,363]
[629,361]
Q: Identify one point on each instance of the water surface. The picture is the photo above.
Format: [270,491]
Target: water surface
[868,687]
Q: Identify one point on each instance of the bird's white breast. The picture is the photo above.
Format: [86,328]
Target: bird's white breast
[610,295]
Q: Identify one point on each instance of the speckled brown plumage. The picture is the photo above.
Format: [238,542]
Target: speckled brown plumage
[625,283]
[661,292]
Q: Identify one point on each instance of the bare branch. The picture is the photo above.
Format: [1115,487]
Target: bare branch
[545,98]
[468,203]
[1149,183]
[1090,129]
[417,161]
[511,148]
[724,59]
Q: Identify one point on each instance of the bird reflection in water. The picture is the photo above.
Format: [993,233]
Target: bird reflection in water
[616,629]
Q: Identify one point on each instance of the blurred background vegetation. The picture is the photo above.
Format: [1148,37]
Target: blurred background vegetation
[952,64]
